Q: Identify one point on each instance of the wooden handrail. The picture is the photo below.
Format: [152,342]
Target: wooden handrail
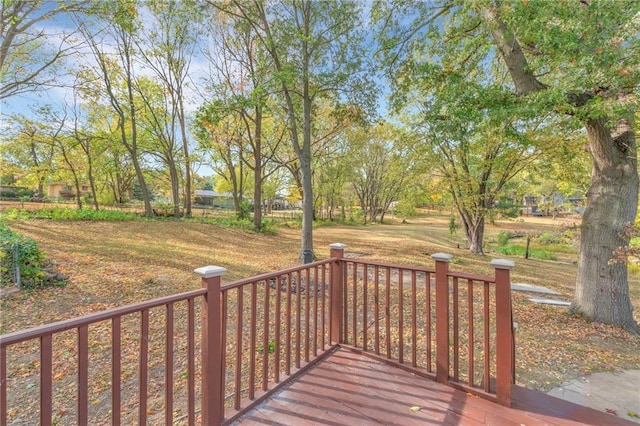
[59,326]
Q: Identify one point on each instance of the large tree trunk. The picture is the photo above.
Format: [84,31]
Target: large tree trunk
[187,158]
[473,225]
[175,186]
[308,210]
[257,171]
[92,179]
[602,290]
[78,196]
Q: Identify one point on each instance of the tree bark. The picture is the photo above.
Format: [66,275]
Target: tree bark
[602,290]
[474,231]
[257,171]
[187,158]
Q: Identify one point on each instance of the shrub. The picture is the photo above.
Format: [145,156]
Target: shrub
[453,225]
[547,238]
[513,250]
[244,210]
[29,258]
[59,213]
[503,238]
[269,227]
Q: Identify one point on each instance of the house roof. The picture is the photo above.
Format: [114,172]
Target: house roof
[211,194]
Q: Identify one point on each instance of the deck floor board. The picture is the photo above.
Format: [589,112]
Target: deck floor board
[351,389]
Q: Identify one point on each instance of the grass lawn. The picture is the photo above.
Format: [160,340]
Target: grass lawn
[116,263]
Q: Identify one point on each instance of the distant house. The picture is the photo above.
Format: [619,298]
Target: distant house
[57,190]
[205,197]
[555,203]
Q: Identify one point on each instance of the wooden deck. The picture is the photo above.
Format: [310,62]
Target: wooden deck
[351,389]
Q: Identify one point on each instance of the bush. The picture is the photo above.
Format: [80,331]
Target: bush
[513,250]
[59,213]
[30,259]
[453,225]
[547,238]
[16,192]
[503,238]
[244,210]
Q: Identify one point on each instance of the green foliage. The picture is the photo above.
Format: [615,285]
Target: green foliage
[61,213]
[453,225]
[13,214]
[268,226]
[271,347]
[16,192]
[405,208]
[547,238]
[503,238]
[515,250]
[506,208]
[137,193]
[29,258]
[245,208]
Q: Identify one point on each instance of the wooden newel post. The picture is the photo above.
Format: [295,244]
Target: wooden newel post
[505,361]
[335,309]
[212,362]
[442,316]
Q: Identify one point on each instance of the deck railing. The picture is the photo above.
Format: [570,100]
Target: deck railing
[119,344]
[215,360]
[452,327]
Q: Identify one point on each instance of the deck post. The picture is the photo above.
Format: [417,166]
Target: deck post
[212,362]
[505,361]
[335,309]
[442,316]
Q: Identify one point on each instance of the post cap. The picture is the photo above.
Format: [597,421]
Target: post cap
[442,257]
[338,246]
[503,264]
[210,271]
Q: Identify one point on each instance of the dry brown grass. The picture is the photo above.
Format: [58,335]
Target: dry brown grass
[113,264]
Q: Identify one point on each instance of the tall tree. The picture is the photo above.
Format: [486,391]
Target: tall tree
[87,139]
[379,168]
[316,51]
[577,59]
[222,137]
[29,55]
[157,124]
[27,144]
[242,87]
[118,80]
[66,146]
[170,39]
